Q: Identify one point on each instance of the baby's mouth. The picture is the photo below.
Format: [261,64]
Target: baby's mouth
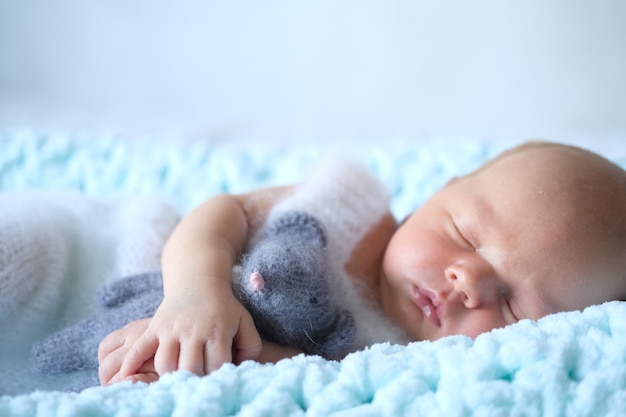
[429,302]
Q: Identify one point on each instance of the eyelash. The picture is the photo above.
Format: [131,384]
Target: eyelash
[510,307]
[462,236]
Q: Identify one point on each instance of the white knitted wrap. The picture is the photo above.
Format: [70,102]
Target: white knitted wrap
[57,249]
[348,201]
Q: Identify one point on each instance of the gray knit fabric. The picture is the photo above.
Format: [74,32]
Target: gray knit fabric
[75,348]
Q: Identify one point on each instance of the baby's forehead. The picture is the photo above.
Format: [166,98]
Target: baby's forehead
[563,169]
[529,171]
[563,157]
[565,174]
[540,156]
[579,187]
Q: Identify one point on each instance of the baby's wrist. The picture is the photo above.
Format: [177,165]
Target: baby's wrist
[198,287]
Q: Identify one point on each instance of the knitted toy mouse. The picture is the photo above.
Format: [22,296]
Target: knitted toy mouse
[284,284]
[283,281]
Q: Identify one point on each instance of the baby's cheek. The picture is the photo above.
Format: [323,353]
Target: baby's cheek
[402,313]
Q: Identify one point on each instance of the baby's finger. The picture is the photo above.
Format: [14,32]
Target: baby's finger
[145,374]
[137,354]
[111,354]
[117,377]
[192,358]
[145,377]
[116,339]
[110,343]
[166,357]
[248,344]
[216,354]
[110,366]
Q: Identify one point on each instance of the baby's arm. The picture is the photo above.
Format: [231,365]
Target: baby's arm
[200,324]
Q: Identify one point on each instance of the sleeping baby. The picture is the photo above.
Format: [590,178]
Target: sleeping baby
[538,230]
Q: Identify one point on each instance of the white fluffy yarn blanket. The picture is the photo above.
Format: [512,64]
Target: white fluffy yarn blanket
[565,364]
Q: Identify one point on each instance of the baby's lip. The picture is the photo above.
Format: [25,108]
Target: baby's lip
[429,302]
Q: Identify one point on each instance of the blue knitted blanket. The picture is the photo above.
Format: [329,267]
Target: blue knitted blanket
[565,364]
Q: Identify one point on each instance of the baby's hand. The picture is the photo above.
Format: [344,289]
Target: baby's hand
[112,352]
[271,353]
[186,333]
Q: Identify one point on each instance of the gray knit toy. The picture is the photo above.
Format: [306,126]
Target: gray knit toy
[283,282]
[285,286]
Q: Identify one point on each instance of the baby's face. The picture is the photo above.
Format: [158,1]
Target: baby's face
[493,248]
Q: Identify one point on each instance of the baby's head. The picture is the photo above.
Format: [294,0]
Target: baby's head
[538,230]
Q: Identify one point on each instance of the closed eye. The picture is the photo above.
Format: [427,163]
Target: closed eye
[462,235]
[510,310]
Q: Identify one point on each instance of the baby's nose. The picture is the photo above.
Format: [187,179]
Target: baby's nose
[472,285]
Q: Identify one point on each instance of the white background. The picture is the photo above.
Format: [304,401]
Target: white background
[321,70]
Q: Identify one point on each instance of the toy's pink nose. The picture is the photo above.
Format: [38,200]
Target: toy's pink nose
[256,281]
